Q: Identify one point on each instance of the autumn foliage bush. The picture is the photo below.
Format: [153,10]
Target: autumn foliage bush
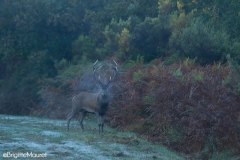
[185,106]
[188,107]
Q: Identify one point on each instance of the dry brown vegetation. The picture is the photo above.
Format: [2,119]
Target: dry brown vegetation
[187,107]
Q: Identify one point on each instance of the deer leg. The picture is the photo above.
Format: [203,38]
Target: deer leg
[82,115]
[99,126]
[100,123]
[71,115]
[102,127]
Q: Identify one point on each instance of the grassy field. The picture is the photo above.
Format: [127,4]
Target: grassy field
[28,134]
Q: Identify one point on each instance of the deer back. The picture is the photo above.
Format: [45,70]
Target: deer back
[85,101]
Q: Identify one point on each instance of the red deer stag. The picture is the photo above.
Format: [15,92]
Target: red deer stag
[96,103]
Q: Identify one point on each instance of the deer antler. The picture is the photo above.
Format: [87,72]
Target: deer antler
[97,78]
[115,69]
[94,65]
[111,78]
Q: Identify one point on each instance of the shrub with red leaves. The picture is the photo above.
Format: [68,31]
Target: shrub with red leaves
[185,106]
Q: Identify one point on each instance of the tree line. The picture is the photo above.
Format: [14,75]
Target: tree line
[40,37]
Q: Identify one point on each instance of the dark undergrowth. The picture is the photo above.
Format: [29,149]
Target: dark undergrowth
[190,108]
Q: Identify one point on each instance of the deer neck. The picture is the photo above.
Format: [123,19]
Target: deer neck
[103,102]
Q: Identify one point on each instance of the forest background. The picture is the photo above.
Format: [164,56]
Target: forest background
[179,59]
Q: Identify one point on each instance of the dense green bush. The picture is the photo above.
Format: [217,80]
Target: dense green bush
[150,38]
[202,41]
[84,46]
[19,91]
